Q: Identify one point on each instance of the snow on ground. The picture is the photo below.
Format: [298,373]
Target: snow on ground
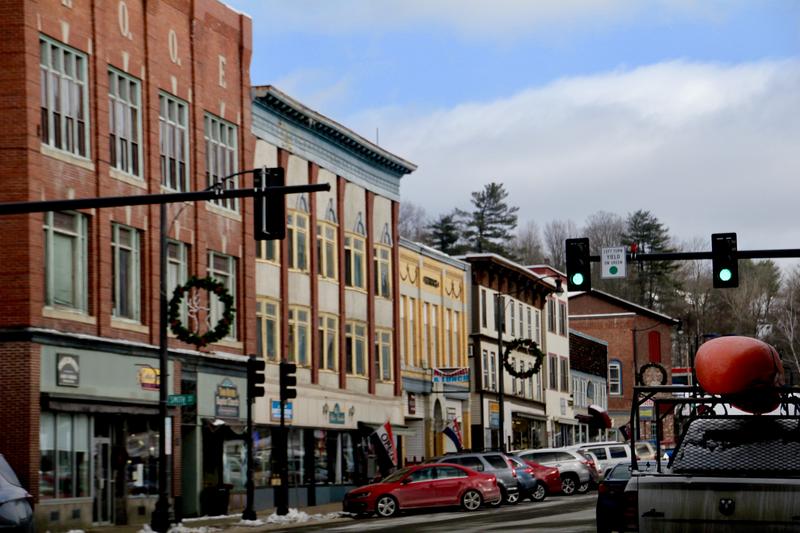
[180,528]
[293,517]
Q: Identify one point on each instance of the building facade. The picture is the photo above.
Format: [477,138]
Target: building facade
[118,98]
[588,360]
[508,304]
[434,311]
[636,337]
[327,299]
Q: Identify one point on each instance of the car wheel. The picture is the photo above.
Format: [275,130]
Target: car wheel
[471,500]
[386,506]
[568,485]
[539,494]
[583,488]
[512,498]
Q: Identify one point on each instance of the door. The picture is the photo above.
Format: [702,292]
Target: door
[103,494]
[416,490]
[450,483]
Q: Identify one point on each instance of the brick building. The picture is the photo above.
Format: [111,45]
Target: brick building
[635,335]
[588,362]
[117,98]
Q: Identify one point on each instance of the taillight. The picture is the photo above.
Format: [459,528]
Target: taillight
[602,489]
[529,470]
[631,511]
[512,466]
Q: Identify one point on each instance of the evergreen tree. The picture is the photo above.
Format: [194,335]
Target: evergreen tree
[488,227]
[444,233]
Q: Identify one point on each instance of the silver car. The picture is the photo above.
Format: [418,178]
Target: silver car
[493,463]
[576,470]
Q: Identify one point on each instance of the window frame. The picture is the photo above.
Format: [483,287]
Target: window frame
[551,315]
[295,233]
[215,306]
[552,367]
[351,252]
[616,364]
[562,318]
[352,339]
[327,331]
[383,270]
[134,291]
[268,251]
[56,71]
[134,161]
[80,260]
[263,318]
[218,143]
[297,326]
[383,355]
[181,262]
[327,247]
[180,125]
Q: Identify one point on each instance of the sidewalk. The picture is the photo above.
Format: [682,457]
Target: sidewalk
[318,514]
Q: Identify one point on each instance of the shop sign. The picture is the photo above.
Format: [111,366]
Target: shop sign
[412,403]
[68,370]
[494,415]
[275,412]
[646,409]
[149,378]
[226,400]
[335,415]
[433,282]
[451,375]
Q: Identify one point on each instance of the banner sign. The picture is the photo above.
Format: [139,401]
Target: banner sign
[383,438]
[451,375]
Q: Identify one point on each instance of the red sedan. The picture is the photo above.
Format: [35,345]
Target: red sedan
[548,475]
[437,485]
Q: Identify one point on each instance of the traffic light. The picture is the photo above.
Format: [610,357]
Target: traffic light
[255,377]
[579,267]
[288,381]
[270,208]
[725,261]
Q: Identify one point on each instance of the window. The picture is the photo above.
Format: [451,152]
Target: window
[457,339]
[486,382]
[221,157]
[326,250]
[562,318]
[223,269]
[530,324]
[551,316]
[178,273]
[498,462]
[64,98]
[411,346]
[493,371]
[449,472]
[531,382]
[519,317]
[268,251]
[124,122]
[297,238]
[328,334]
[298,336]
[513,332]
[383,271]
[473,463]
[434,336]
[425,334]
[552,364]
[383,355]
[564,372]
[447,354]
[483,308]
[589,392]
[354,262]
[423,474]
[66,251]
[513,379]
[64,456]
[356,343]
[618,452]
[538,327]
[173,122]
[126,275]
[267,330]
[615,378]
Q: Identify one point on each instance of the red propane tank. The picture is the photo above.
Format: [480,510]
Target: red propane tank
[740,368]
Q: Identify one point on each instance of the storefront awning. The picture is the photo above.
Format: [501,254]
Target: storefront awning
[218,423]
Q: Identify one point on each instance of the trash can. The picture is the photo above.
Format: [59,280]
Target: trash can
[221,500]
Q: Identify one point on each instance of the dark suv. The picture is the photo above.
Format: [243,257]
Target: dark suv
[491,462]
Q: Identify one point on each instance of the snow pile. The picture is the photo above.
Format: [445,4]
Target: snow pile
[295,517]
[180,528]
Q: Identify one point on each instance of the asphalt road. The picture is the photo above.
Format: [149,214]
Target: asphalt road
[573,514]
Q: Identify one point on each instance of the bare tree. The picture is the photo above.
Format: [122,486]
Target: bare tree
[412,221]
[787,317]
[528,244]
[555,233]
[604,230]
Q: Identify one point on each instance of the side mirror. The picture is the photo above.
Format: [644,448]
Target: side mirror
[406,481]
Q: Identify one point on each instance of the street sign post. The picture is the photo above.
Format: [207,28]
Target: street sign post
[613,262]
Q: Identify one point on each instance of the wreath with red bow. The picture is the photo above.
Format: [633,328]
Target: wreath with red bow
[212,335]
[526,345]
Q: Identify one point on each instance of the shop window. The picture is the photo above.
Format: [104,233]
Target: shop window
[326,250]
[64,455]
[64,97]
[234,460]
[296,453]
[383,271]
[383,355]
[267,330]
[348,464]
[222,268]
[66,260]
[173,122]
[326,450]
[126,277]
[328,331]
[141,445]
[221,157]
[298,336]
[262,457]
[354,275]
[356,343]
[124,122]
[297,239]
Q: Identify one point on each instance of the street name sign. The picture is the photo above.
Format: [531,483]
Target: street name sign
[613,262]
[175,400]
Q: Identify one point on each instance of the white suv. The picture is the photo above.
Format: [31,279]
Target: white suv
[611,453]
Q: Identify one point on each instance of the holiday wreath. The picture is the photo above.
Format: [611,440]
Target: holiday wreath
[529,346]
[211,335]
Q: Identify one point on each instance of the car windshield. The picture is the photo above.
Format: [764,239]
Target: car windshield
[395,476]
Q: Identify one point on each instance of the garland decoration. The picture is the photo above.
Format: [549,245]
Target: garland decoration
[527,345]
[212,335]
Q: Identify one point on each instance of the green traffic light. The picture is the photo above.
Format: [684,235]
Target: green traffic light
[725,274]
[577,279]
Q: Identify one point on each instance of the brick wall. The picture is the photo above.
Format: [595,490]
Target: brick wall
[586,355]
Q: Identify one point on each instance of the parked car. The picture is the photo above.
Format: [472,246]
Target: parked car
[612,453]
[490,462]
[548,475]
[529,486]
[16,513]
[424,485]
[576,471]
[611,496]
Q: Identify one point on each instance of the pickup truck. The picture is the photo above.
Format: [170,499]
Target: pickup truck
[729,472]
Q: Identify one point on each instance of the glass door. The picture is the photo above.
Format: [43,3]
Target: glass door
[103,495]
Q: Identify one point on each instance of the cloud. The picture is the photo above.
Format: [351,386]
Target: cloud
[706,147]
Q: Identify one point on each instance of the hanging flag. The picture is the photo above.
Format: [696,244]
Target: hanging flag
[453,430]
[384,439]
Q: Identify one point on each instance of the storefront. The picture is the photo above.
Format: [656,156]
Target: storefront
[528,431]
[98,441]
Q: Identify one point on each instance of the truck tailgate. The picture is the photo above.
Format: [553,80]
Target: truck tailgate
[669,503]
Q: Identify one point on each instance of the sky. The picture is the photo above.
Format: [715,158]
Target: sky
[687,108]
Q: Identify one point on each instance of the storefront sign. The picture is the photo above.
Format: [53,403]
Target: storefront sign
[335,415]
[412,403]
[275,412]
[69,370]
[148,378]
[646,409]
[226,400]
[494,415]
[451,375]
